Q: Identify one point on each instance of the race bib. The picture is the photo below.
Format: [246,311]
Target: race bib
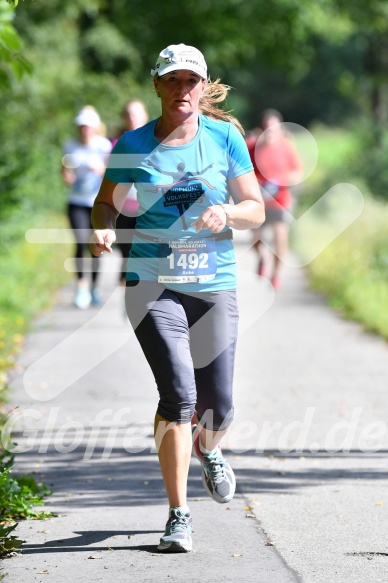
[187,261]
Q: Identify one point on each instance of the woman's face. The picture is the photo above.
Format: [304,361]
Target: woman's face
[273,129]
[180,91]
[135,115]
[86,132]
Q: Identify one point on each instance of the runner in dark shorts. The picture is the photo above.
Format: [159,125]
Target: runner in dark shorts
[181,274]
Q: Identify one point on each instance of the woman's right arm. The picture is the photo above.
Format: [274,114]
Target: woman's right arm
[106,209]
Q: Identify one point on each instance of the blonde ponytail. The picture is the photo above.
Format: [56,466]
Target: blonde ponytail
[216,92]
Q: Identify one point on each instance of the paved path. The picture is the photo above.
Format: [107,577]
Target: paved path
[311,401]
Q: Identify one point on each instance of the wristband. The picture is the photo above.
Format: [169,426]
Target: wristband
[223,206]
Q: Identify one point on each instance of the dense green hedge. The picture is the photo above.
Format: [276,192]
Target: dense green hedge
[30,275]
[352,272]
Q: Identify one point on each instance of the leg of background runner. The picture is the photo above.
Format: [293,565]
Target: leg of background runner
[280,230]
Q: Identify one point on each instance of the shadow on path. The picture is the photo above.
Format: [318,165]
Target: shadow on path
[130,479]
[84,539]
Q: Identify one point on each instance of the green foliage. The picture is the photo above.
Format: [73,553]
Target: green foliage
[28,271]
[8,542]
[370,159]
[336,150]
[284,44]
[352,270]
[30,274]
[108,50]
[13,65]
[19,496]
[38,113]
[91,51]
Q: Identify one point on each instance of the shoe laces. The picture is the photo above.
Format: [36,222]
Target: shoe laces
[215,463]
[178,522]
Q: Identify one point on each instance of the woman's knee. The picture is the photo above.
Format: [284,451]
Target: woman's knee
[216,419]
[176,412]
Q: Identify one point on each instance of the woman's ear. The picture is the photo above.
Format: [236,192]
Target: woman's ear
[156,85]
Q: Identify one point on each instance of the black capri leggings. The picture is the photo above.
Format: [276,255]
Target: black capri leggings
[189,340]
[81,223]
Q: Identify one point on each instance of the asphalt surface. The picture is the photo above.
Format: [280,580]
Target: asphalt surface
[308,446]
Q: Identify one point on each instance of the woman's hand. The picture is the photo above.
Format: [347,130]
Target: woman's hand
[213,219]
[97,166]
[104,214]
[102,240]
[68,176]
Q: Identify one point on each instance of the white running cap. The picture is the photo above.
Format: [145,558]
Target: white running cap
[180,57]
[88,117]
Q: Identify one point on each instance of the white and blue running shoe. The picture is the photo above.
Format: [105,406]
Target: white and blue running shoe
[177,537]
[217,476]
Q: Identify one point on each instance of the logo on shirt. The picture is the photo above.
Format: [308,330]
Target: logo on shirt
[187,188]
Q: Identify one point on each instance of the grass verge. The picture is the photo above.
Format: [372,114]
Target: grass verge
[30,276]
[352,271]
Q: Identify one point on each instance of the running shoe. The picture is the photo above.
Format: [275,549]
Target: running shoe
[276,282]
[82,298]
[217,476]
[177,537]
[96,296]
[262,270]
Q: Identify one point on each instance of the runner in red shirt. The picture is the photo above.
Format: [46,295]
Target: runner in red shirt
[277,166]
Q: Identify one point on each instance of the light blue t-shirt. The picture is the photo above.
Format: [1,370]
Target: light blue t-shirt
[175,184]
[81,158]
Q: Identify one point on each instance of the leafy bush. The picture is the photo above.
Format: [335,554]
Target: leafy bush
[352,270]
[19,496]
[30,275]
[370,161]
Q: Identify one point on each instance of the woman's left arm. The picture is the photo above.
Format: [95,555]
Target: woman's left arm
[247,212]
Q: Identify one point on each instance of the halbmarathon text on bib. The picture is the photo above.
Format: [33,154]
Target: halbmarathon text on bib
[188,261]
